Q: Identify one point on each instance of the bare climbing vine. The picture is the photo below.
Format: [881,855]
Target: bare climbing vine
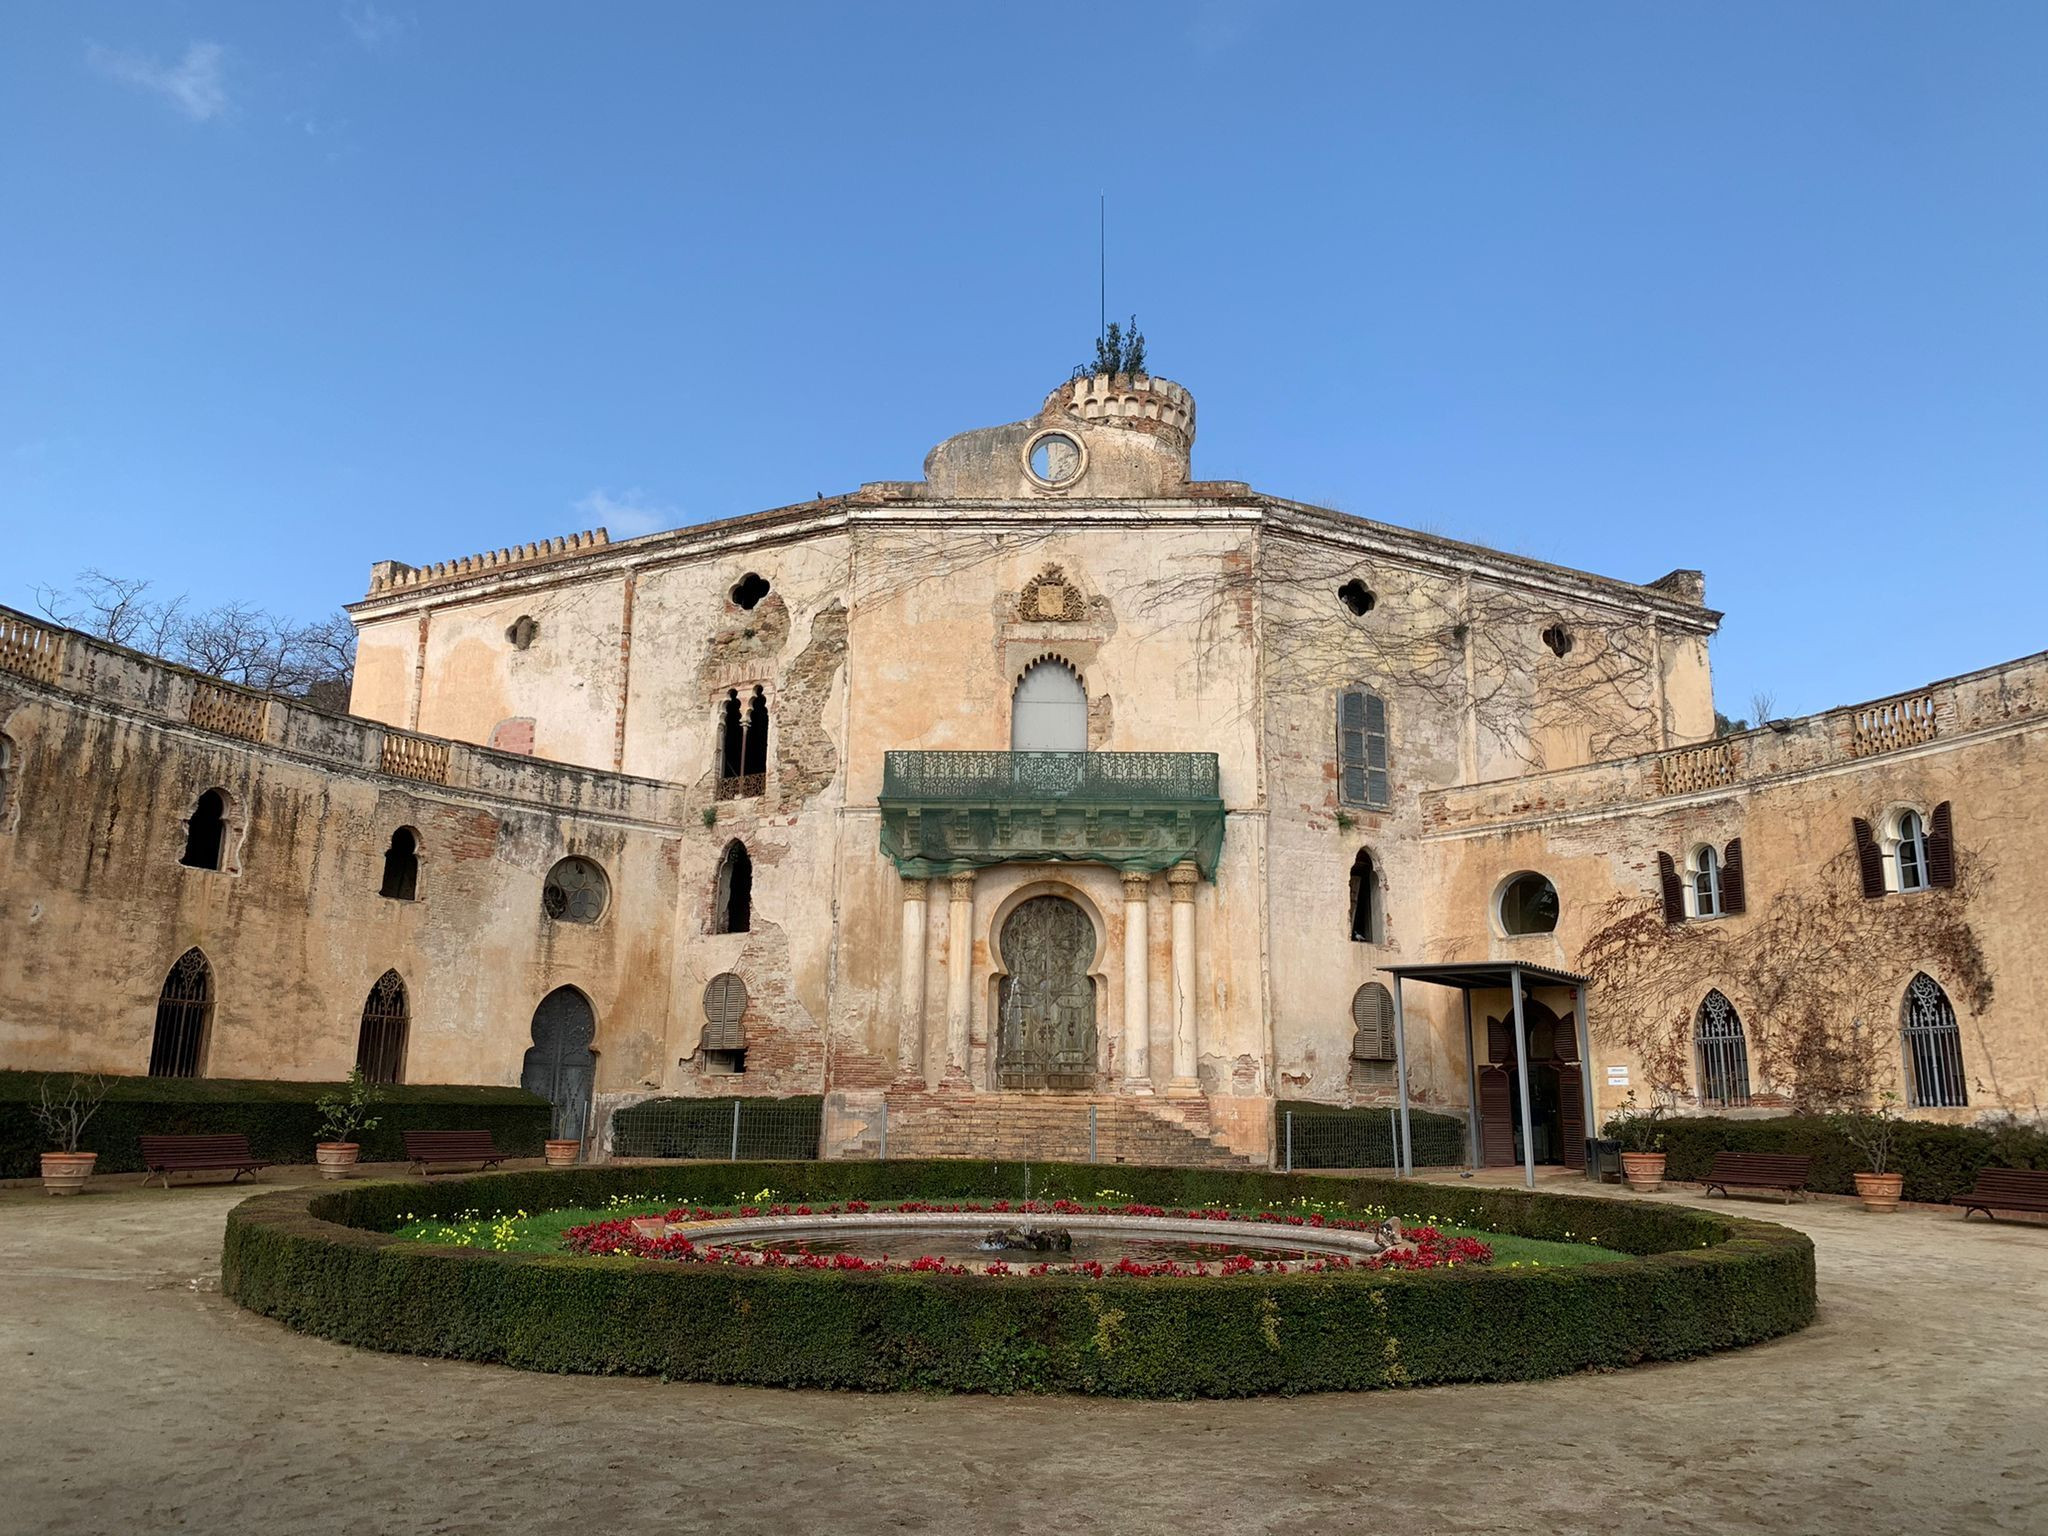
[1812,975]
[1458,645]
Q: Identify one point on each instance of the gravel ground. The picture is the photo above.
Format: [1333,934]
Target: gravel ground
[140,1400]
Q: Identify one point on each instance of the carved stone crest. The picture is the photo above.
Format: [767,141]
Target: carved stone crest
[1049,598]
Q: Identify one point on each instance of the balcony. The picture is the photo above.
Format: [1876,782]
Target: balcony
[1144,811]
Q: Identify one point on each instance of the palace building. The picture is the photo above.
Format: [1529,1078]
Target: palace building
[1057,778]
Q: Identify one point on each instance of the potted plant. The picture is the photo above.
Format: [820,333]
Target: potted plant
[343,1117]
[61,1111]
[562,1151]
[1874,1133]
[1640,1131]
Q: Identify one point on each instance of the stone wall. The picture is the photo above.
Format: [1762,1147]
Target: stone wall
[106,762]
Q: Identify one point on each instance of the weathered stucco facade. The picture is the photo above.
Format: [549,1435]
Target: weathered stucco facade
[941,906]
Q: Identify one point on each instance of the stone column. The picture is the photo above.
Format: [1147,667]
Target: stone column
[1181,881]
[1137,981]
[959,974]
[910,977]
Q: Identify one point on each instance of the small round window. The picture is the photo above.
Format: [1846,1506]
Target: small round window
[1054,459]
[1528,904]
[576,892]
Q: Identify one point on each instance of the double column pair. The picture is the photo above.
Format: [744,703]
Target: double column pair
[1181,881]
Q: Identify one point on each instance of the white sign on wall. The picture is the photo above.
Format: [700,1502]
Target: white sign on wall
[1617,1077]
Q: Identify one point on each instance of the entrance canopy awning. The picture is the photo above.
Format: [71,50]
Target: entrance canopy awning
[1481,975]
[1514,977]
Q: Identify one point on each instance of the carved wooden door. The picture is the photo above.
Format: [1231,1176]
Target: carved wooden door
[560,1066]
[1046,1024]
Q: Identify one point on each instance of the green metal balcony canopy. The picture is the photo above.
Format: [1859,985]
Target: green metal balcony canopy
[948,811]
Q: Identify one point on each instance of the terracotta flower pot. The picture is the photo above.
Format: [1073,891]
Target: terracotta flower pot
[65,1173]
[562,1154]
[336,1158]
[1644,1171]
[1880,1191]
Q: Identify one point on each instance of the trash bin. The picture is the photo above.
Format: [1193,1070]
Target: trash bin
[1603,1159]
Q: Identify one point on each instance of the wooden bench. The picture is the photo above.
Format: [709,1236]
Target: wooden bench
[197,1154]
[424,1148]
[1783,1171]
[2007,1189]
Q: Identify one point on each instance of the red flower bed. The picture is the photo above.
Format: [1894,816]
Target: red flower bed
[1422,1247]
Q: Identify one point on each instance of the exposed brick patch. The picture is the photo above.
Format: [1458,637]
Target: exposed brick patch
[805,759]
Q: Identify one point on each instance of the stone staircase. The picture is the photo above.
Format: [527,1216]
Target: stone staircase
[1037,1127]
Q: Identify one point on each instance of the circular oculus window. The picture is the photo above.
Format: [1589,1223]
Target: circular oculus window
[1054,460]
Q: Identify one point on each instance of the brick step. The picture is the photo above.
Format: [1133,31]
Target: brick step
[1173,1132]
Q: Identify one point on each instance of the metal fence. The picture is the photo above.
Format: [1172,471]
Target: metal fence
[718,1128]
[1368,1138]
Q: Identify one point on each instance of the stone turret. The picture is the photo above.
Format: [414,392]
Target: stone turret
[1112,436]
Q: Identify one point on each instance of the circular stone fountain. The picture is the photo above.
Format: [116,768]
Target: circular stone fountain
[982,1237]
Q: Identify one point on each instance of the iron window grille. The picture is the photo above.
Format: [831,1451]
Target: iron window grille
[1934,1047]
[380,1043]
[1724,1054]
[184,1009]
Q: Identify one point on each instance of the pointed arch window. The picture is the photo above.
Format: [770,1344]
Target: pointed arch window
[1049,710]
[1365,902]
[733,900]
[184,1018]
[380,1042]
[1934,1047]
[1723,1053]
[1362,749]
[743,745]
[207,831]
[401,880]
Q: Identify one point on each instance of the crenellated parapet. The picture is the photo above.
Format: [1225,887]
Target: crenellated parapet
[1128,399]
[389,576]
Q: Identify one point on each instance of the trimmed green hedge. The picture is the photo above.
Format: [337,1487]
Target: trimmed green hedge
[1938,1160]
[327,1264]
[279,1118]
[1331,1136]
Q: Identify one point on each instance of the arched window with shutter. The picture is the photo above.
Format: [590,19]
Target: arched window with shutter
[184,1016]
[1933,1046]
[1906,851]
[1372,1034]
[1723,1053]
[1703,881]
[381,1038]
[725,1033]
[1362,773]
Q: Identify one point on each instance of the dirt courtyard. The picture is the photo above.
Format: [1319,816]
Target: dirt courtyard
[139,1399]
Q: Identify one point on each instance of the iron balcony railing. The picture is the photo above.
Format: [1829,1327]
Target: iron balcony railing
[1078,778]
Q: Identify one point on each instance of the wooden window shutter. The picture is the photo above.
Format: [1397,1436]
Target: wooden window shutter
[1732,899]
[1571,1114]
[1372,1019]
[725,1008]
[1496,1120]
[1376,787]
[1941,847]
[1500,1042]
[1674,892]
[1351,746]
[1868,859]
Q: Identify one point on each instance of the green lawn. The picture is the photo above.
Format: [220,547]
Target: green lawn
[541,1232]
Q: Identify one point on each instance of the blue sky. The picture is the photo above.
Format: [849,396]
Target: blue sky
[1760,289]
